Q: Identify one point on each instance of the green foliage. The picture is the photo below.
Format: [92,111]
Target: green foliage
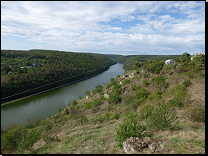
[186,82]
[145,75]
[27,63]
[154,66]
[18,139]
[117,88]
[66,111]
[131,127]
[87,92]
[95,103]
[59,110]
[145,83]
[38,119]
[141,93]
[114,98]
[176,101]
[49,66]
[28,140]
[146,111]
[98,89]
[196,111]
[168,67]
[160,82]
[185,57]
[125,82]
[74,102]
[163,117]
[81,118]
[133,87]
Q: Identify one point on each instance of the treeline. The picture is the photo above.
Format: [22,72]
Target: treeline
[25,70]
[130,60]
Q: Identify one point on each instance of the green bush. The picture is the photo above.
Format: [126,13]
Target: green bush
[87,92]
[196,112]
[133,87]
[98,89]
[163,117]
[130,127]
[141,93]
[145,83]
[145,75]
[74,102]
[168,67]
[95,103]
[117,88]
[37,120]
[177,101]
[160,82]
[114,98]
[59,110]
[154,66]
[66,111]
[28,140]
[146,111]
[126,81]
[186,82]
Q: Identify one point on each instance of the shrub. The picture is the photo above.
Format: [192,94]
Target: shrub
[117,88]
[196,112]
[66,111]
[87,92]
[126,81]
[59,110]
[146,111]
[160,82]
[163,117]
[145,83]
[154,66]
[98,89]
[145,75]
[186,82]
[38,119]
[11,138]
[141,93]
[133,87]
[28,140]
[74,102]
[169,67]
[177,101]
[114,98]
[130,127]
[95,103]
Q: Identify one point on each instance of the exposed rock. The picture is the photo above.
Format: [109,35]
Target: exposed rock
[137,145]
[106,96]
[131,75]
[39,144]
[134,145]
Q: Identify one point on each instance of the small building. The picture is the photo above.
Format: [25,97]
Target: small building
[169,62]
[9,72]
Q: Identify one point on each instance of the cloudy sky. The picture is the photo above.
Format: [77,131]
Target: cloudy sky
[107,27]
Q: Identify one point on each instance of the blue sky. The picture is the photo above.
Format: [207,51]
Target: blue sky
[107,27]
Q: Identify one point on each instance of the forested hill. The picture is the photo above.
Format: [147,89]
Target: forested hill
[25,70]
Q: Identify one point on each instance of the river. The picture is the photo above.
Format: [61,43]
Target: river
[46,104]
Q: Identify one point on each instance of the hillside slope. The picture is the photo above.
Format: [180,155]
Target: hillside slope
[91,125]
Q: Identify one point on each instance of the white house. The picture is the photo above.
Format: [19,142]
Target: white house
[169,61]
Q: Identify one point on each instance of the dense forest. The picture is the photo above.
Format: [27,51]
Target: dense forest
[131,60]
[22,71]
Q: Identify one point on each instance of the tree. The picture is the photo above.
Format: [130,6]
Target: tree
[185,57]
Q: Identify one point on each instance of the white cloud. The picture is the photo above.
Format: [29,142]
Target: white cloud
[89,26]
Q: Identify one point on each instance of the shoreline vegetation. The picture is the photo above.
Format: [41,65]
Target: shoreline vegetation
[165,102]
[47,69]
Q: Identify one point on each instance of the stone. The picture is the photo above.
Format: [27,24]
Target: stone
[134,145]
[137,145]
[106,96]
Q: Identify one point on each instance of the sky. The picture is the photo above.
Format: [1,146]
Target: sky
[106,27]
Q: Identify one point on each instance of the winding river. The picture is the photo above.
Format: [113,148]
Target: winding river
[46,104]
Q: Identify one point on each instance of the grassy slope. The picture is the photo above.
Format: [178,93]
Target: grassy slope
[98,135]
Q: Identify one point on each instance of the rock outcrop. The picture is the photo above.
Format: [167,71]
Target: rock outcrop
[137,145]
